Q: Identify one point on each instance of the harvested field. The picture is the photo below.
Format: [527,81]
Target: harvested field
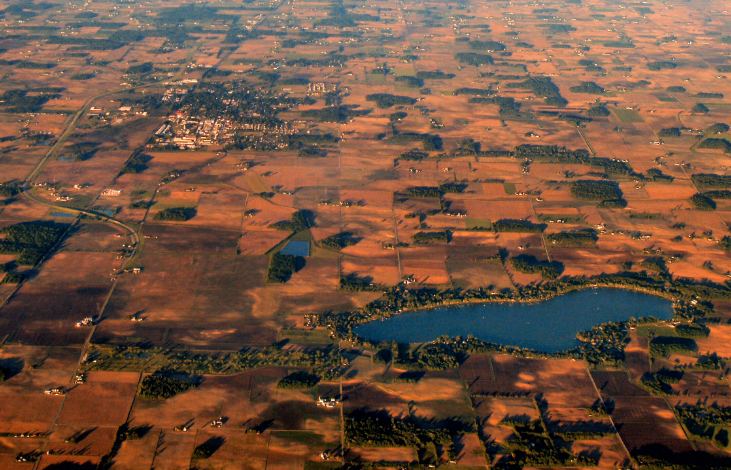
[616,384]
[508,375]
[28,413]
[175,451]
[609,451]
[470,451]
[51,462]
[203,284]
[234,450]
[34,369]
[138,454]
[357,395]
[717,341]
[183,143]
[169,239]
[637,356]
[473,275]
[103,402]
[67,297]
[382,454]
[257,243]
[426,272]
[644,421]
[96,440]
[379,270]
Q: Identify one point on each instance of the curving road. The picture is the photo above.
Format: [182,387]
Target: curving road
[30,180]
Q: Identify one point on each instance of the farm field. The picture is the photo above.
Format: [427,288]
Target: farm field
[201,201]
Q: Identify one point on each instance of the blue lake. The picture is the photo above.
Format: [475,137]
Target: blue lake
[296,249]
[61,214]
[549,326]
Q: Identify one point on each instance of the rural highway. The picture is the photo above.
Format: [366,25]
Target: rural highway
[28,184]
[27,192]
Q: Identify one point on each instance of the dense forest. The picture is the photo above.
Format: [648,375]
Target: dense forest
[587,87]
[530,265]
[595,190]
[473,58]
[542,87]
[583,238]
[701,202]
[299,221]
[31,240]
[556,154]
[174,214]
[298,379]
[281,267]
[339,241]
[386,100]
[334,113]
[706,180]
[162,387]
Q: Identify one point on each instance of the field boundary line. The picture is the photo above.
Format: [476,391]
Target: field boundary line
[543,239]
[619,436]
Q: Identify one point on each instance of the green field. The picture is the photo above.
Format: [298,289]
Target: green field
[666,99]
[375,79]
[516,68]
[472,223]
[652,331]
[306,336]
[628,115]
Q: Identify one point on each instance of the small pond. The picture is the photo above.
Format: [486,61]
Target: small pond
[296,249]
[109,212]
[549,326]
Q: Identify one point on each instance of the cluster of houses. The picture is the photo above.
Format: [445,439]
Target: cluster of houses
[88,321]
[327,402]
[183,131]
[318,88]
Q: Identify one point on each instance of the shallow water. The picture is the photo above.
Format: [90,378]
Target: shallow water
[549,326]
[109,212]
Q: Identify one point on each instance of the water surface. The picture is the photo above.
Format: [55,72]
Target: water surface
[296,249]
[109,212]
[550,325]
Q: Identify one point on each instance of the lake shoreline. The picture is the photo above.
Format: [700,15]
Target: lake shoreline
[690,302]
[499,323]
